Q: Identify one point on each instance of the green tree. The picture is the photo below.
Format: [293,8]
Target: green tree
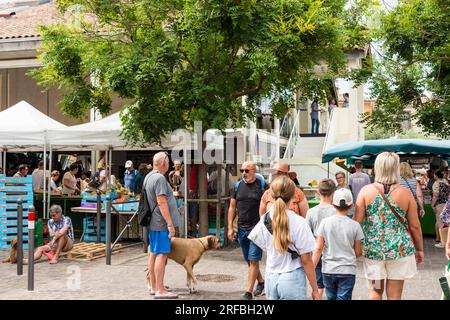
[413,68]
[180,61]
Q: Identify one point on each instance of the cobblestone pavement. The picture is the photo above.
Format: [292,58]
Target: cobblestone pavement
[221,273]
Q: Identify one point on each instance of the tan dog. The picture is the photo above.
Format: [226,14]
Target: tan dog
[12,253]
[188,252]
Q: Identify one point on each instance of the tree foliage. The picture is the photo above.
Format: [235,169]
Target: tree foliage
[412,72]
[179,61]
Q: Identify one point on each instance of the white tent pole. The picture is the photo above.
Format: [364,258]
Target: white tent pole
[108,180]
[4,162]
[185,193]
[49,178]
[44,205]
[110,164]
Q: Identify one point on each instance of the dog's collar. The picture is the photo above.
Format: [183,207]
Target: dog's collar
[202,244]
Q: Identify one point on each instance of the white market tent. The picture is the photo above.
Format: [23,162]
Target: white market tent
[23,128]
[102,134]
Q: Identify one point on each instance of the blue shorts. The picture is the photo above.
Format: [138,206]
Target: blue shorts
[319,275]
[159,242]
[250,250]
[286,285]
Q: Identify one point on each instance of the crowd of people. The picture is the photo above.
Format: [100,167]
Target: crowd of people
[373,217]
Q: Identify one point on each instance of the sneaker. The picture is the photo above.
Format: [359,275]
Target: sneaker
[259,291]
[439,245]
[247,296]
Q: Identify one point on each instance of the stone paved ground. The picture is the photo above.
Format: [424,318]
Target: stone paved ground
[124,279]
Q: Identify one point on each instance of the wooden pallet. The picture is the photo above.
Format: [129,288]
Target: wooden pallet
[87,251]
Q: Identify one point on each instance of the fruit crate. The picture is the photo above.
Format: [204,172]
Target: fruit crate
[90,201]
[130,206]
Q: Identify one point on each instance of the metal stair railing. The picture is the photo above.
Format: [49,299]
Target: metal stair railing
[293,137]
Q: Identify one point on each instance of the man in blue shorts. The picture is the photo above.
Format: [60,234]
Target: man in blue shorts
[246,197]
[162,225]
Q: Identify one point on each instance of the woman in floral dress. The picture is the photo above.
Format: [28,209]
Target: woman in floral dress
[393,241]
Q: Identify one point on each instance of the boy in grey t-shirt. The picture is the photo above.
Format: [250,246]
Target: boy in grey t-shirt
[315,215]
[339,238]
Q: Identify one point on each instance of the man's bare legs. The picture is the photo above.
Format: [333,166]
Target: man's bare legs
[160,268]
[151,271]
[38,253]
[61,243]
[253,274]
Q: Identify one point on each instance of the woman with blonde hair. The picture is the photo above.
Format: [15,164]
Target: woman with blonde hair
[393,243]
[408,181]
[289,243]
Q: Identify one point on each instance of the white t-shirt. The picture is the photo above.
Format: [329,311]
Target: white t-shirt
[302,242]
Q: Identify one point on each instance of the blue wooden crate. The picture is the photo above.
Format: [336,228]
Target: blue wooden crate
[12,214]
[13,206]
[15,197]
[92,221]
[7,246]
[92,238]
[12,222]
[126,206]
[11,230]
[18,188]
[25,180]
[10,237]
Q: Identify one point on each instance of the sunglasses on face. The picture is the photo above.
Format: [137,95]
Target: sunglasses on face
[245,170]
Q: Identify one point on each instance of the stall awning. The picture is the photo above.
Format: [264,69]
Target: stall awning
[439,148]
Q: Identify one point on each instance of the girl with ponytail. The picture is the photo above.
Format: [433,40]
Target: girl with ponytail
[289,243]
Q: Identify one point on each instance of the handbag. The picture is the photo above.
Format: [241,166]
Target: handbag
[402,221]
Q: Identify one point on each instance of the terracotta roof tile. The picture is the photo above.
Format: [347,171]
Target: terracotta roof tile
[25,23]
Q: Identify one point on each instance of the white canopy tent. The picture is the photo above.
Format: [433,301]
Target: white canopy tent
[23,128]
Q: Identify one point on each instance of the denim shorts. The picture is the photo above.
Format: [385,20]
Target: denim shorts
[286,286]
[159,242]
[319,276]
[250,250]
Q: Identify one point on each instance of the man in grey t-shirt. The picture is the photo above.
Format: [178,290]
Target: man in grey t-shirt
[358,180]
[163,223]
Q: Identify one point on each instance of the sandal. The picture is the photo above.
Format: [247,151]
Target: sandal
[167,295]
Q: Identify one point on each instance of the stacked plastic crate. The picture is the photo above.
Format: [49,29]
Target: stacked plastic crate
[11,190]
[90,229]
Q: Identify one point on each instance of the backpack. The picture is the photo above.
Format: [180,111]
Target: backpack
[144,213]
[268,225]
[259,178]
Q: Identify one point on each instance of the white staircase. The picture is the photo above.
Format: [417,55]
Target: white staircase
[309,147]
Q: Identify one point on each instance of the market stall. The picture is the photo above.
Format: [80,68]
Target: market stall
[23,128]
[411,150]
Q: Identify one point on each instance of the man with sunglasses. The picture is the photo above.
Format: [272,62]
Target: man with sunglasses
[298,204]
[61,232]
[246,197]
